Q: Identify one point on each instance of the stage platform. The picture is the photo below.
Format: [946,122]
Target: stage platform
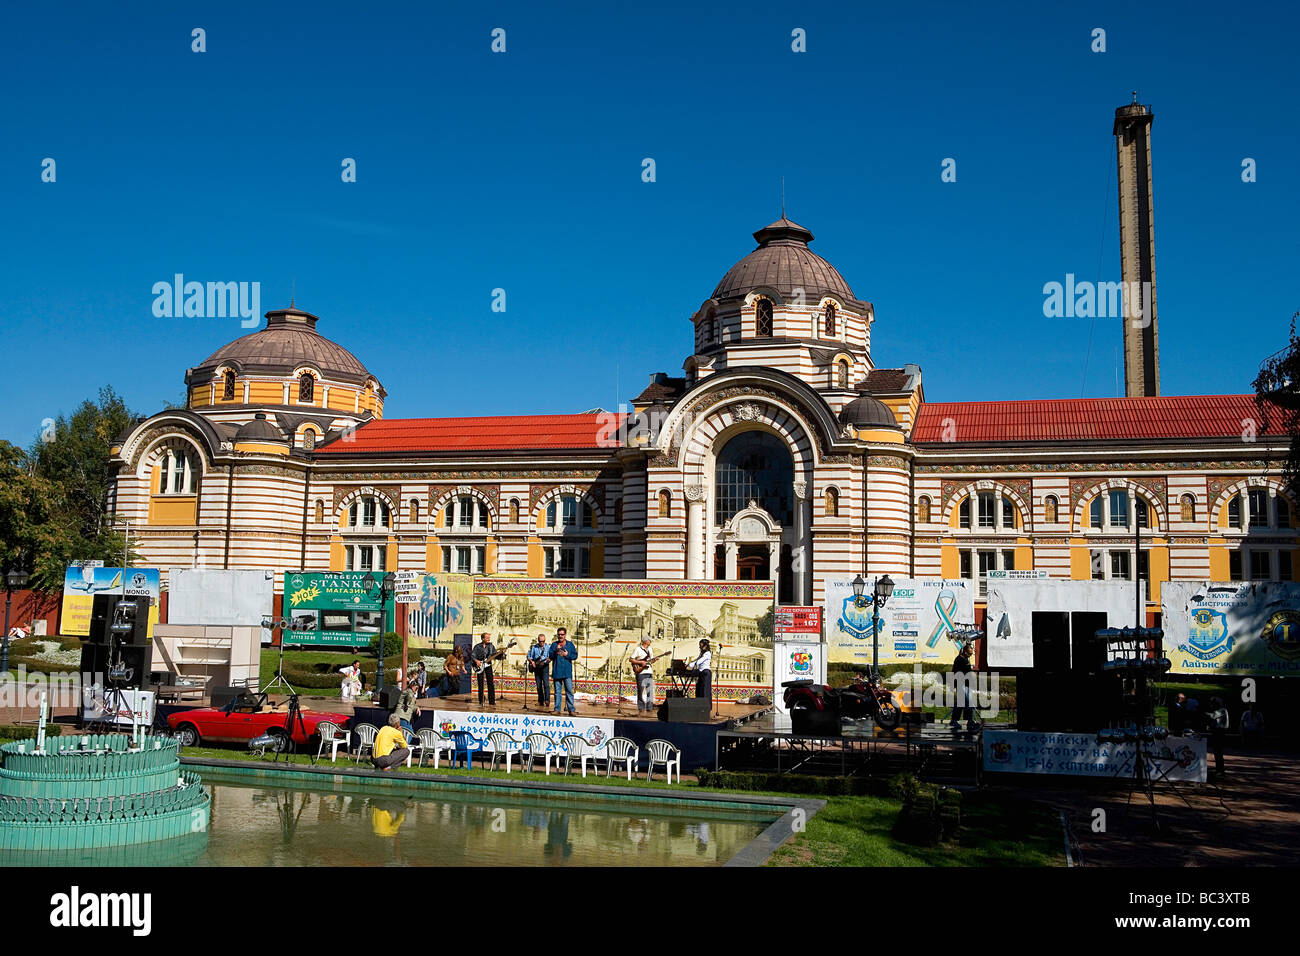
[768,742]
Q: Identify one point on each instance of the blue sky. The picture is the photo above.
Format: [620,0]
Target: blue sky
[522,171]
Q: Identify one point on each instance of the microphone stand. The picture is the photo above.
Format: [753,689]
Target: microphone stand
[618,677]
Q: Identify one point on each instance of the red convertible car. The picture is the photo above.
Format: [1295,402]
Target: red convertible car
[244,718]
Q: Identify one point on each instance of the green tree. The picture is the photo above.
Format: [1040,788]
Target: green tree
[1277,392]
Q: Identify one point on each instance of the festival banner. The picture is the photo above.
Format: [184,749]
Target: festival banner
[1232,627]
[606,619]
[82,582]
[595,730]
[334,608]
[1081,755]
[438,606]
[916,623]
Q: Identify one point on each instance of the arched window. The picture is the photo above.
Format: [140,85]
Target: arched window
[841,374]
[923,510]
[179,472]
[832,503]
[665,504]
[320,510]
[828,321]
[228,386]
[414,510]
[306,388]
[755,466]
[1050,504]
[1188,506]
[514,511]
[763,319]
[309,440]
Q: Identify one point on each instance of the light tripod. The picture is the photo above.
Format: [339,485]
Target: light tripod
[282,625]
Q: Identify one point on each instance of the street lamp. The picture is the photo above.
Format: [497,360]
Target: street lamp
[14,581]
[881,591]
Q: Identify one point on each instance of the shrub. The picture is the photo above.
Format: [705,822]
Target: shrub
[929,814]
[392,645]
[787,783]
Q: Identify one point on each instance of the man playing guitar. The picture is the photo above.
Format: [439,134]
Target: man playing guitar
[540,667]
[481,657]
[645,678]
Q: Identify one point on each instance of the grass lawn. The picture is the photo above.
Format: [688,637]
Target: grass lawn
[849,831]
[315,672]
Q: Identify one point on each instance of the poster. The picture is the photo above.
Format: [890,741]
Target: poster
[596,731]
[607,618]
[334,608]
[82,583]
[1081,755]
[1232,627]
[1012,603]
[221,598]
[797,660]
[915,623]
[799,623]
[437,607]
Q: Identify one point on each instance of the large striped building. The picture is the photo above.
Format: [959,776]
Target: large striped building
[781,452]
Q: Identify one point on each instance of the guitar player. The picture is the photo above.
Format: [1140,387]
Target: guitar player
[645,678]
[482,656]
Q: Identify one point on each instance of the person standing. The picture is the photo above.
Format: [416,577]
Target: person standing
[561,656]
[482,657]
[420,680]
[407,710]
[703,667]
[1178,716]
[1217,724]
[961,686]
[645,678]
[1252,726]
[452,669]
[540,666]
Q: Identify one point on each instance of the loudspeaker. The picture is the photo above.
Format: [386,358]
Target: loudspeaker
[818,723]
[686,710]
[127,619]
[387,697]
[94,661]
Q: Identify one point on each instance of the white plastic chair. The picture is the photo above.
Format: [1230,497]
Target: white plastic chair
[539,745]
[662,752]
[334,735]
[432,742]
[577,748]
[621,749]
[365,740]
[503,745]
[413,745]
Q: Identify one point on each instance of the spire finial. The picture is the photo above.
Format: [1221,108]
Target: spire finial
[293,288]
[782,197]
[1135,97]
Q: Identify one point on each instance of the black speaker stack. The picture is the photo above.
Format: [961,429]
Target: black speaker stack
[387,698]
[121,623]
[685,710]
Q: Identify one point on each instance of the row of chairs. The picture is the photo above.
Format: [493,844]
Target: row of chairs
[461,745]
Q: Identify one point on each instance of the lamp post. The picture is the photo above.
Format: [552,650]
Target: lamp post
[386,585]
[15,580]
[881,591]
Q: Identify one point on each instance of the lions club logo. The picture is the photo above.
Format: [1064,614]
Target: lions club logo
[856,620]
[1282,634]
[1208,635]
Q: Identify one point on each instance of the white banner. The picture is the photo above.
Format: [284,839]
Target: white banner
[914,623]
[596,731]
[796,660]
[1232,627]
[95,706]
[1011,605]
[1011,751]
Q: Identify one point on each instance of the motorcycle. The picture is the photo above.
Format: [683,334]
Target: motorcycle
[865,697]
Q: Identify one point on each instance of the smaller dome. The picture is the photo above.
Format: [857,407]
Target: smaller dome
[259,430]
[867,412]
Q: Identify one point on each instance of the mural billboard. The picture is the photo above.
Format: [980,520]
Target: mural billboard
[334,608]
[915,623]
[607,619]
[1232,627]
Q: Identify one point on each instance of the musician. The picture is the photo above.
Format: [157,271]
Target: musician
[703,667]
[541,667]
[645,678]
[453,668]
[561,655]
[482,658]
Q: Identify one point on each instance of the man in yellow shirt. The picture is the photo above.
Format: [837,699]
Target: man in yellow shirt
[390,745]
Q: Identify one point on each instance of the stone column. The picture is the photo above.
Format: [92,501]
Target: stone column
[695,532]
[731,547]
[802,550]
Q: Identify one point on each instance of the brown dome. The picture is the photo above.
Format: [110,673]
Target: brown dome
[783,262]
[290,340]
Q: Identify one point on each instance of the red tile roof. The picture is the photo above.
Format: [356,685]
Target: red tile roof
[501,433]
[1092,419]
